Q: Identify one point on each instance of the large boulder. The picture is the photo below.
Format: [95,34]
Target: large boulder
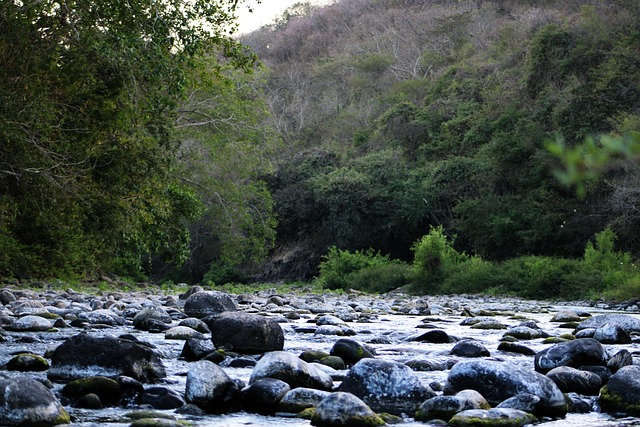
[344,409]
[210,388]
[386,386]
[621,395]
[207,303]
[612,334]
[27,402]
[497,381]
[86,356]
[576,353]
[246,333]
[292,370]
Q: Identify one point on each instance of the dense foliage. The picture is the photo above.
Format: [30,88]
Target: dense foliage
[402,116]
[89,101]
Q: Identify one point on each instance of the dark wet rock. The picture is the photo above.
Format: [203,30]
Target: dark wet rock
[301,398]
[523,402]
[570,379]
[334,362]
[602,371]
[585,333]
[436,336]
[246,333]
[566,316]
[196,348]
[445,407]
[89,401]
[386,386]
[619,360]
[210,388]
[625,321]
[496,417]
[612,334]
[579,404]
[27,362]
[27,402]
[85,355]
[242,362]
[586,351]
[313,355]
[6,297]
[263,396]
[351,351]
[161,398]
[469,348]
[142,318]
[621,395]
[512,347]
[418,307]
[426,365]
[207,303]
[292,370]
[497,381]
[107,389]
[344,409]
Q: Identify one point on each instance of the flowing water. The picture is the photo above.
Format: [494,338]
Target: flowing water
[392,332]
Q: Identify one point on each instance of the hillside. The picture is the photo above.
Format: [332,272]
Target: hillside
[396,116]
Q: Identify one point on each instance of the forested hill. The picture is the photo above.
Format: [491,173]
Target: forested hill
[398,115]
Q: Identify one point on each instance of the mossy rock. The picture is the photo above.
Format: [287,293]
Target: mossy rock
[554,340]
[159,422]
[109,390]
[307,414]
[497,417]
[313,355]
[334,362]
[26,362]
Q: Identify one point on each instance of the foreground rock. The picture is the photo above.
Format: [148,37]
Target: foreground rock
[624,321]
[292,370]
[497,417]
[498,381]
[344,409]
[246,333]
[445,407]
[210,388]
[386,386]
[86,356]
[621,395]
[27,402]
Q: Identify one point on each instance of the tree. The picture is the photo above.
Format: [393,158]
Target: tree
[89,93]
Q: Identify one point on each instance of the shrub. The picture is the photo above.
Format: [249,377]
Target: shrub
[434,258]
[366,270]
[475,275]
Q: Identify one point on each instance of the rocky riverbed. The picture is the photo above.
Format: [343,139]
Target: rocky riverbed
[206,358]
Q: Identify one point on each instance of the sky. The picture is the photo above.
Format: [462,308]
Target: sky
[265,12]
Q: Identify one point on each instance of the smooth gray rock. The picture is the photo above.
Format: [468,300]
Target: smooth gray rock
[498,381]
[344,409]
[625,321]
[210,388]
[445,407]
[612,334]
[27,402]
[469,348]
[263,396]
[142,319]
[301,398]
[496,417]
[386,386]
[291,369]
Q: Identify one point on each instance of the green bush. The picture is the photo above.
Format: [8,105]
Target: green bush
[434,258]
[475,275]
[365,270]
